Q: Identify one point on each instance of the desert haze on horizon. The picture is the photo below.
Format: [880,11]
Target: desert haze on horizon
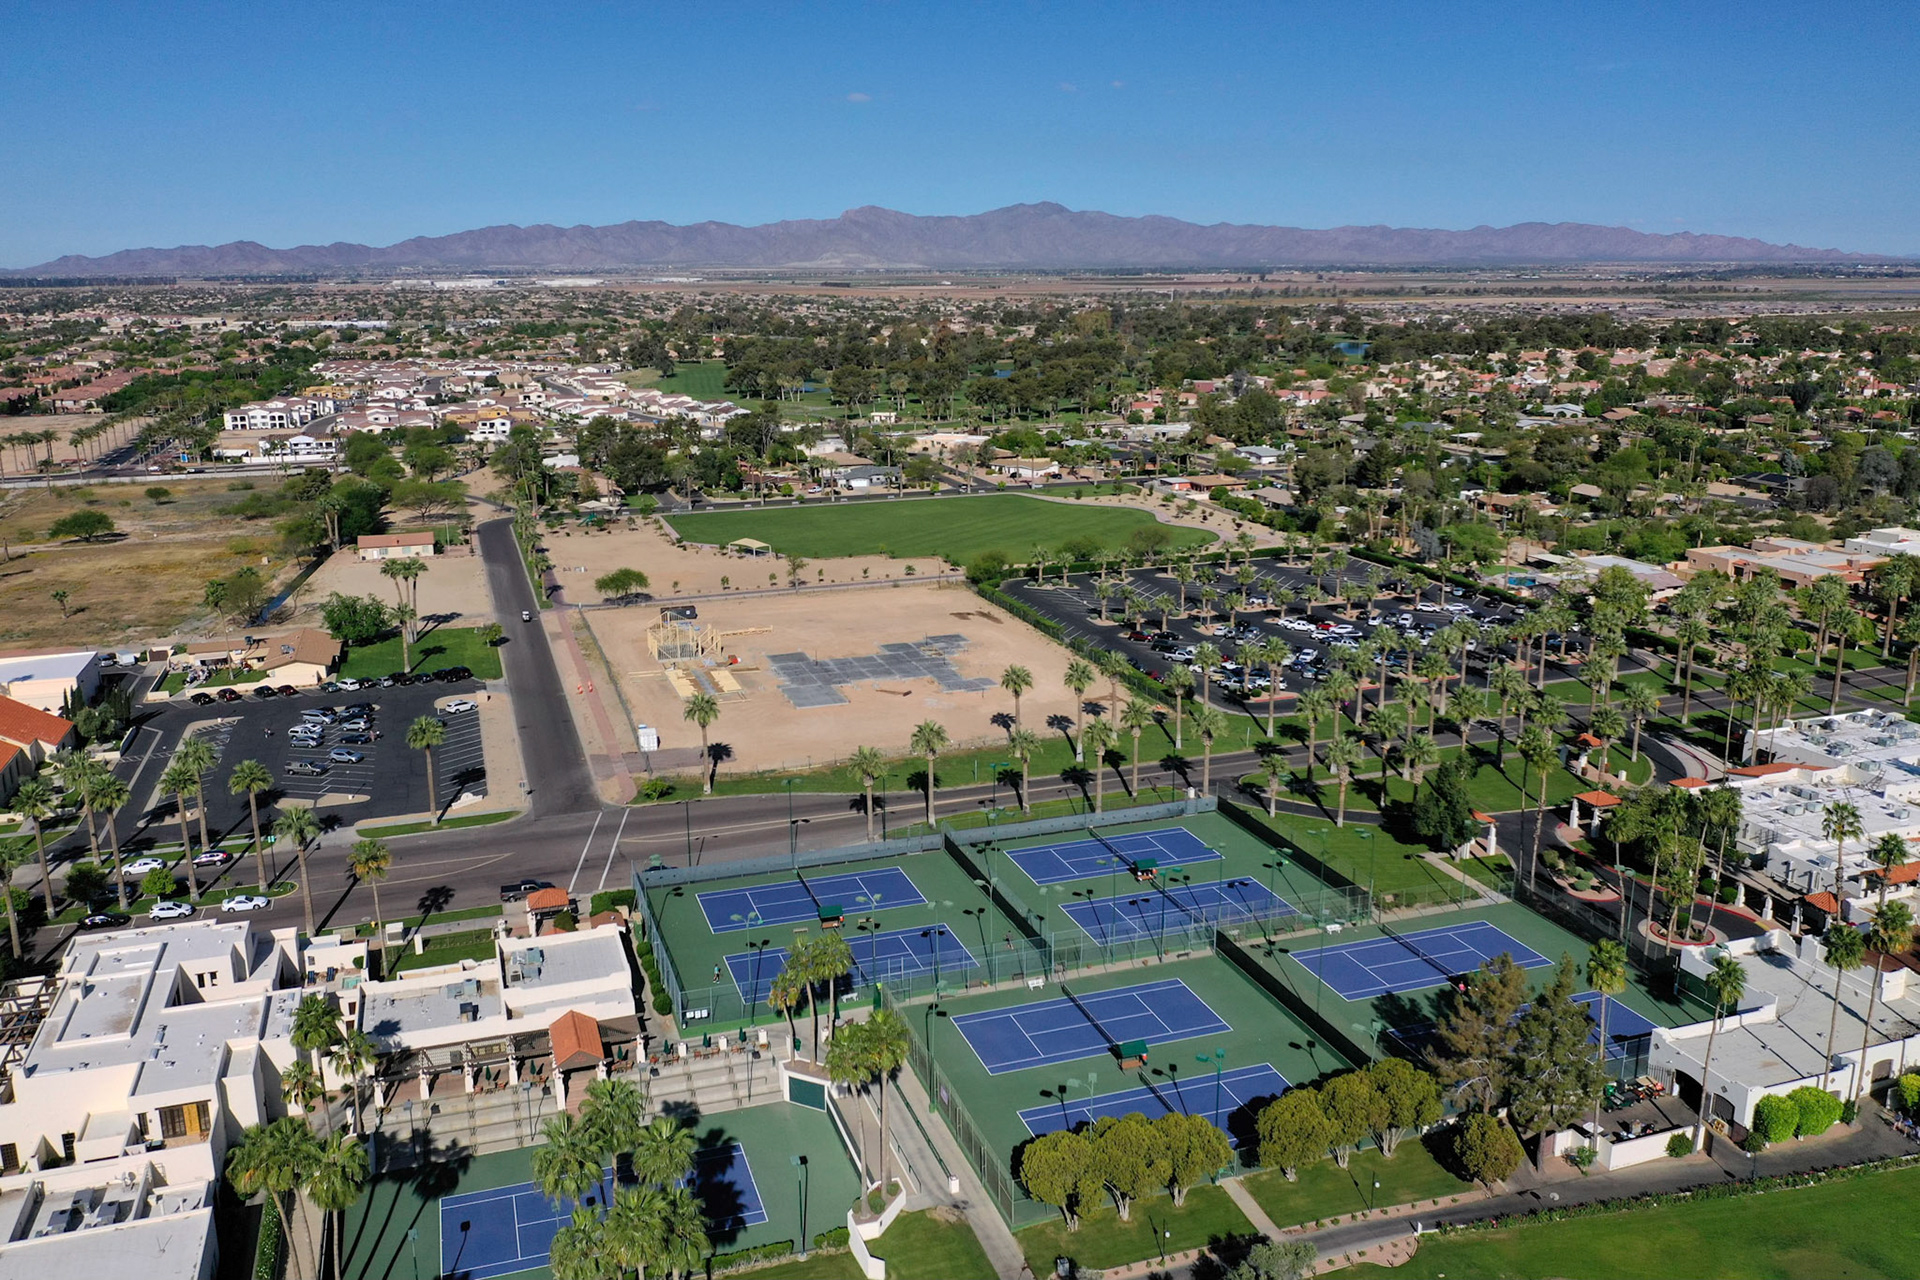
[1033,236]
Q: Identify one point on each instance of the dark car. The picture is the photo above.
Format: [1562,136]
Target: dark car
[1139,636]
[231,695]
[358,709]
[521,888]
[202,699]
[287,691]
[404,679]
[456,673]
[266,691]
[105,920]
[356,739]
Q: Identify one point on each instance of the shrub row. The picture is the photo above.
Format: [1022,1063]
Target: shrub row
[609,899]
[650,965]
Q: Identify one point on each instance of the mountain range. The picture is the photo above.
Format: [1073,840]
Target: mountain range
[1024,236]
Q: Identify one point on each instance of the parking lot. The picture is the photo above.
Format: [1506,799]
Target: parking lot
[387,779]
[1311,631]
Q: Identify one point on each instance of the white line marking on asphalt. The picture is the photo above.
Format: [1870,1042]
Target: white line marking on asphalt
[583,850]
[612,850]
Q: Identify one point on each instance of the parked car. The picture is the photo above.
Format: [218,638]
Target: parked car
[305,769]
[140,866]
[349,684]
[461,704]
[266,691]
[170,911]
[246,902]
[521,888]
[287,691]
[105,920]
[212,858]
[358,724]
[231,694]
[320,715]
[355,739]
[340,755]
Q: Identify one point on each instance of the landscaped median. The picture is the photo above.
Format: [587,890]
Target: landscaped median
[446,824]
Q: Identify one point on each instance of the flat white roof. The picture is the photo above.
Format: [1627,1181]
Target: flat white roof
[65,665]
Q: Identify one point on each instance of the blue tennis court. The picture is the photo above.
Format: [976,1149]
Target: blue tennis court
[485,1234]
[1154,911]
[1194,1095]
[1072,1027]
[1411,961]
[789,902]
[1084,859]
[879,957]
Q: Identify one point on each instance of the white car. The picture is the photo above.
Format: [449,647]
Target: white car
[246,902]
[1427,606]
[170,911]
[349,684]
[212,858]
[461,704]
[1346,629]
[140,866]
[1454,606]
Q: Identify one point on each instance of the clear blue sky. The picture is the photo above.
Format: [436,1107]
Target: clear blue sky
[162,124]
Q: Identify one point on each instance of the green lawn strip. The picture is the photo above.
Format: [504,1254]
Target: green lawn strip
[440,647]
[962,529]
[921,1246]
[1491,789]
[441,917]
[447,948]
[1363,854]
[817,1266]
[139,904]
[1839,1228]
[706,380]
[1327,1191]
[449,824]
[177,680]
[1104,1241]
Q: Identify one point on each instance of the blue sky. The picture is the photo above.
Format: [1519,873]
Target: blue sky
[151,124]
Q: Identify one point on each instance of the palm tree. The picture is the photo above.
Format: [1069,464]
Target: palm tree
[1606,974]
[567,1165]
[423,735]
[1640,704]
[581,1249]
[179,781]
[1016,680]
[1690,633]
[105,794]
[1418,753]
[1079,678]
[929,740]
[316,1026]
[298,824]
[1136,718]
[1727,981]
[1024,744]
[1383,729]
[1179,682]
[35,801]
[336,1181]
[613,1112]
[683,1226]
[1271,653]
[250,778]
[1889,853]
[1539,755]
[703,709]
[1840,822]
[1210,723]
[1890,934]
[352,1058]
[1342,756]
[370,861]
[886,1041]
[403,617]
[1206,656]
[1100,737]
[1608,725]
[663,1152]
[1115,667]
[869,764]
[274,1159]
[1272,770]
[1843,948]
[1315,705]
[197,754]
[785,993]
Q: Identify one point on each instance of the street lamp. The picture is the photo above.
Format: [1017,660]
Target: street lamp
[1219,1060]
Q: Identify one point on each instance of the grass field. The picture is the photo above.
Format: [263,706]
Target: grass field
[1155,1229]
[1837,1229]
[934,1244]
[704,381]
[441,647]
[1326,1191]
[959,529]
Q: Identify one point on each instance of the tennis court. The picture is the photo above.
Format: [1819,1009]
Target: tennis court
[1150,912]
[484,1234]
[1085,859]
[879,957]
[1197,1094]
[1071,1027]
[1624,1025]
[795,901]
[1397,962]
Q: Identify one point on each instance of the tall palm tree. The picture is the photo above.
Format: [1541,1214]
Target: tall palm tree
[1179,682]
[869,763]
[1272,769]
[370,860]
[1889,853]
[1690,633]
[886,1041]
[567,1164]
[1890,935]
[197,754]
[1024,744]
[929,740]
[1016,680]
[1210,723]
[1381,726]
[1115,667]
[338,1176]
[427,733]
[613,1112]
[1727,982]
[274,1159]
[1843,948]
[1079,678]
[683,1228]
[1314,706]
[582,1250]
[1840,822]
[1136,718]
[250,778]
[1206,656]
[1539,755]
[1342,755]
[34,800]
[352,1059]
[1272,653]
[702,709]
[298,824]
[1606,974]
[1418,753]
[179,781]
[1640,704]
[105,794]
[1100,737]
[663,1152]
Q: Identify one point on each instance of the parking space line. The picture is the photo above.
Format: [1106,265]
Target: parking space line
[583,849]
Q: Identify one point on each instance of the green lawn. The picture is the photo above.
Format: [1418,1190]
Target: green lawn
[1364,855]
[1326,1191]
[177,681]
[448,948]
[817,1266]
[1841,1228]
[923,1246]
[704,381]
[1104,1241]
[441,647]
[959,529]
[451,824]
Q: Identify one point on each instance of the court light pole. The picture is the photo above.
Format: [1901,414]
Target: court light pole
[935,934]
[800,1186]
[759,950]
[1219,1060]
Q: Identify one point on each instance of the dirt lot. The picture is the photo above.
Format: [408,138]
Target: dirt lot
[453,585]
[143,584]
[580,557]
[766,731]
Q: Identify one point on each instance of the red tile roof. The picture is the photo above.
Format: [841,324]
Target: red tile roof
[1769,770]
[548,900]
[1691,784]
[1824,902]
[23,725]
[1598,799]
[576,1041]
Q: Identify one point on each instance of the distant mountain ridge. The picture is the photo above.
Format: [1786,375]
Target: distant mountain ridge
[1032,236]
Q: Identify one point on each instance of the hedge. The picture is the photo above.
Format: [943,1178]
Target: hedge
[743,1258]
[834,1239]
[1818,1110]
[662,1002]
[1776,1118]
[608,899]
[266,1249]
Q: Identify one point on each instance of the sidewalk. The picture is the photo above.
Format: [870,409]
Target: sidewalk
[1002,1250]
[599,734]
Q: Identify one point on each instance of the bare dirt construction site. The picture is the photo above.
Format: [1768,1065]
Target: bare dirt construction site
[877,661]
[145,581]
[453,589]
[580,556]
